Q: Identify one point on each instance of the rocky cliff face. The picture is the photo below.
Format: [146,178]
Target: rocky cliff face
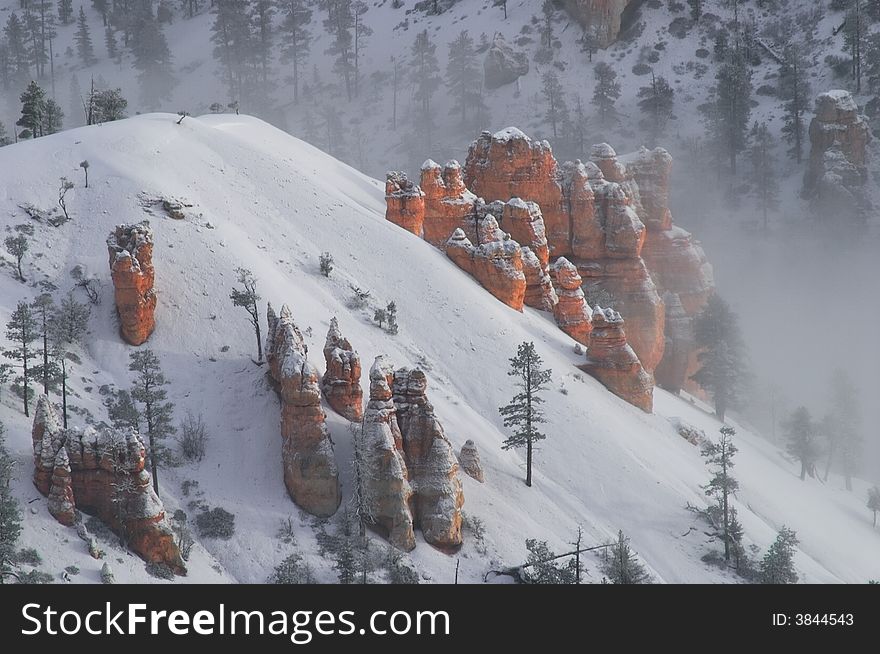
[431,461]
[503,64]
[448,204]
[310,471]
[404,203]
[601,18]
[341,383]
[839,136]
[131,268]
[103,473]
[680,351]
[382,470]
[612,361]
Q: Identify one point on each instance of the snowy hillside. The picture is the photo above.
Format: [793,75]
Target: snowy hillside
[269,202]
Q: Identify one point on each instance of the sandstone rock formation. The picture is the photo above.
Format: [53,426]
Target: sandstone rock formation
[496,264]
[404,203]
[540,293]
[612,361]
[571,311]
[103,473]
[469,461]
[341,383]
[310,471]
[448,204]
[525,224]
[384,478]
[600,18]
[131,268]
[837,171]
[503,64]
[432,465]
[673,371]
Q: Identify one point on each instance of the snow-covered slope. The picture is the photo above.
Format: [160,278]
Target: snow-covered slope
[266,201]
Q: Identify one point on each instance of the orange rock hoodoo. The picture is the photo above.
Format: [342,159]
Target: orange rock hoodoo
[102,472]
[571,311]
[341,383]
[310,471]
[408,471]
[131,268]
[405,203]
[448,204]
[613,362]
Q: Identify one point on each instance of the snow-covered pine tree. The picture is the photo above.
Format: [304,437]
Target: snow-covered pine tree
[10,514]
[605,93]
[544,567]
[17,52]
[425,76]
[53,117]
[843,427]
[462,73]
[801,433]
[22,331]
[17,246]
[292,571]
[656,100]
[855,32]
[33,108]
[795,93]
[727,112]
[156,412]
[621,565]
[722,369]
[247,298]
[44,307]
[762,171]
[109,105]
[722,485]
[67,328]
[524,413]
[83,38]
[296,38]
[65,11]
[152,59]
[554,97]
[777,567]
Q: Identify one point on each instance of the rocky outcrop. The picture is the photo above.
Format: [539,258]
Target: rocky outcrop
[503,64]
[383,474]
[404,203]
[496,263]
[540,293]
[525,224]
[469,461]
[430,460]
[672,373]
[571,311]
[341,383]
[102,473]
[601,19]
[837,172]
[448,204]
[614,363]
[131,268]
[310,471]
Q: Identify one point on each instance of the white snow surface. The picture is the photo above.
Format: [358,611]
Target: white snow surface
[269,202]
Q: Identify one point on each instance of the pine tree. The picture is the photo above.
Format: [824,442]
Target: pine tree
[33,106]
[795,93]
[17,53]
[4,137]
[554,97]
[101,7]
[579,129]
[10,514]
[777,567]
[247,298]
[843,426]
[361,32]
[621,566]
[722,369]
[232,38]
[548,15]
[762,172]
[524,413]
[425,75]
[297,38]
[855,32]
[44,307]
[53,117]
[801,434]
[262,14]
[121,410]
[110,42]
[22,331]
[656,101]
[109,105]
[83,39]
[605,93]
[292,571]
[726,114]
[67,328]
[157,414]
[65,11]
[152,60]
[346,557]
[722,485]
[874,501]
[17,246]
[462,70]
[339,25]
[543,566]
